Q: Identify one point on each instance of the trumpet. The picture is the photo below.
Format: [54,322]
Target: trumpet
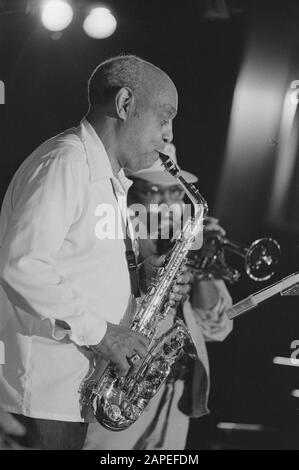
[260,258]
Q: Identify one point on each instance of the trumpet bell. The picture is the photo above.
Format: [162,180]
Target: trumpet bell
[261,259]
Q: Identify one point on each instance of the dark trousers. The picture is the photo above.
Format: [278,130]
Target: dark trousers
[52,435]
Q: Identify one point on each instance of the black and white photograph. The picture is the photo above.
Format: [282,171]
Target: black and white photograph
[149,228]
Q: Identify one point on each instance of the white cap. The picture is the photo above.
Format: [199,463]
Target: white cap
[157,174]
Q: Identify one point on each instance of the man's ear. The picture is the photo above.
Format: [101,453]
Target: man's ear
[123,102]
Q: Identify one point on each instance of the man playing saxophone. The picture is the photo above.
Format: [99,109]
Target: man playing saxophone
[164,423]
[64,291]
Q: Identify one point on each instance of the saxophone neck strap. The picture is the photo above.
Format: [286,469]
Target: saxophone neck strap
[130,254]
[132,266]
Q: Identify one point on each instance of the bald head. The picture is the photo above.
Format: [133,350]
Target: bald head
[132,105]
[144,79]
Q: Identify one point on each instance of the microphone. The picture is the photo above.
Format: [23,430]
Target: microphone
[287,286]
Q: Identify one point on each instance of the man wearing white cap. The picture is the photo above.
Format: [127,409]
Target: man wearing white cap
[164,423]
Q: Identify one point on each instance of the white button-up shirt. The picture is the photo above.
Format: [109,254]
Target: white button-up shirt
[55,268]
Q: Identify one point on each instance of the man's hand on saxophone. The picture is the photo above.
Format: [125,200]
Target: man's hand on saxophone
[182,288]
[126,348]
[119,345]
[148,269]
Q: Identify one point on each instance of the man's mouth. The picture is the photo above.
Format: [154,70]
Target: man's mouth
[156,155]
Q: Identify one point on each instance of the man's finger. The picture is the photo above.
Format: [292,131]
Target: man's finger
[214,228]
[141,339]
[181,289]
[175,297]
[210,220]
[141,350]
[122,366]
[155,260]
[184,278]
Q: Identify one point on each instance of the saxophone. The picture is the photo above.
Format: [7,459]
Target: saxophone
[117,402]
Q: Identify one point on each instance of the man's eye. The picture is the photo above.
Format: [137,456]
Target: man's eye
[149,192]
[164,122]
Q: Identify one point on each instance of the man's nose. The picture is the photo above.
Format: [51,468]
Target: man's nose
[167,133]
[166,199]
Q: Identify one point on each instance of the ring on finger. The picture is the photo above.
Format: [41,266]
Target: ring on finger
[133,359]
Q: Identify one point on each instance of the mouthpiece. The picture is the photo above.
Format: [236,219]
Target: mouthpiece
[191,190]
[169,164]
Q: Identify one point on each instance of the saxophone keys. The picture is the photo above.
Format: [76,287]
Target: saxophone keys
[158,369]
[146,389]
[130,411]
[113,412]
[152,289]
[177,343]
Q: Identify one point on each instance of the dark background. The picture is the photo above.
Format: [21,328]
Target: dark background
[204,46]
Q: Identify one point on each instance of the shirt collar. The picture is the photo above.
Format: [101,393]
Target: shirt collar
[124,181]
[98,160]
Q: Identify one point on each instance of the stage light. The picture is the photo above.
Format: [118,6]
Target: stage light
[295,393]
[56,15]
[100,23]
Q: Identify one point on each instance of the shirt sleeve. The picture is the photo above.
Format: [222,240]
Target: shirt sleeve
[214,330]
[215,325]
[44,207]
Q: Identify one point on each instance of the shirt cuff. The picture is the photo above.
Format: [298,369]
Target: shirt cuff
[83,331]
[203,313]
[214,330]
[59,332]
